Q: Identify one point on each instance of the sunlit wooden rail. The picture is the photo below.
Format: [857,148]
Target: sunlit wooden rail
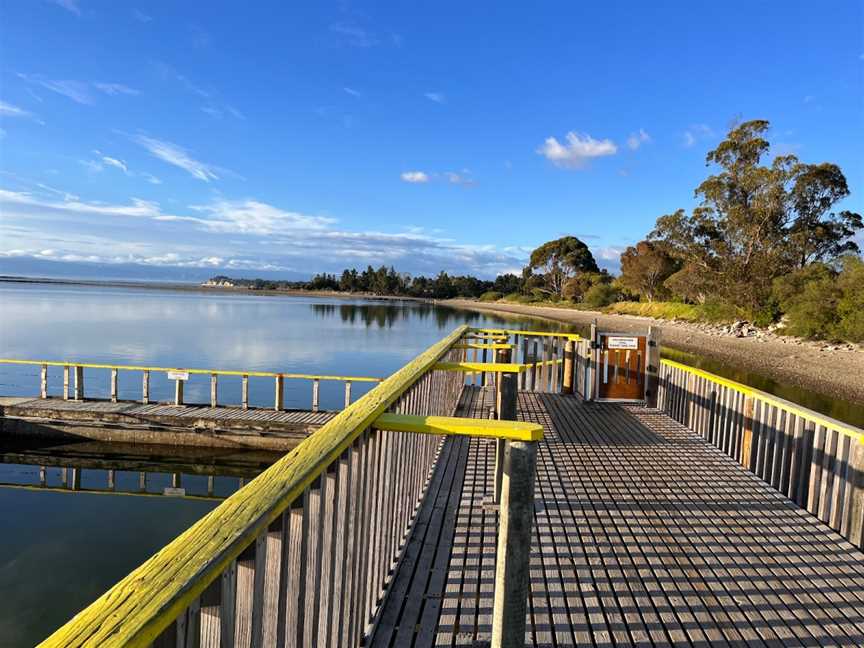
[73,381]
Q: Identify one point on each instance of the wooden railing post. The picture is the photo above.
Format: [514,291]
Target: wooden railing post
[567,382]
[347,393]
[178,392]
[66,382]
[853,527]
[507,397]
[316,392]
[652,366]
[214,390]
[514,545]
[279,399]
[747,433]
[244,396]
[145,387]
[43,382]
[79,383]
[114,384]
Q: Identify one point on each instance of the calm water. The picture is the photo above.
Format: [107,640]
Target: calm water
[61,549]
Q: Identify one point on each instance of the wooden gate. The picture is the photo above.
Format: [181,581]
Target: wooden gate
[621,362]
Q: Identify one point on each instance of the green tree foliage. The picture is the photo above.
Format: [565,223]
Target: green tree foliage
[600,295]
[820,302]
[559,260]
[756,222]
[644,269]
[576,287]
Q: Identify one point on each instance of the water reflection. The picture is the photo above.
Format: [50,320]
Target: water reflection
[77,517]
[127,469]
[384,314]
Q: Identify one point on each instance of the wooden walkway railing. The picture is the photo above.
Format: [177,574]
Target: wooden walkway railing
[814,460]
[304,554]
[73,381]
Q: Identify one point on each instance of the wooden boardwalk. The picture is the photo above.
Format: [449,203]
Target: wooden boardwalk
[644,535]
[162,423]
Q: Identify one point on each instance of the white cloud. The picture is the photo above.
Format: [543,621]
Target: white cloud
[178,156]
[460,178]
[577,151]
[225,232]
[353,35]
[68,5]
[697,132]
[115,89]
[414,177]
[149,177]
[140,16]
[437,97]
[212,111]
[352,91]
[114,162]
[638,139]
[75,90]
[8,110]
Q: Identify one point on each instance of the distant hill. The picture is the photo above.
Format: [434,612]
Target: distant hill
[30,267]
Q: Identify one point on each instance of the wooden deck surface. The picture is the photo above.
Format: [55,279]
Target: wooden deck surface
[644,535]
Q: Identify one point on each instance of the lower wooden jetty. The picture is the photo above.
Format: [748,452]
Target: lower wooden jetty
[506,500]
[159,423]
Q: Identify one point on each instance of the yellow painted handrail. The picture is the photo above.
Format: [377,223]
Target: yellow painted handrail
[220,372]
[488,428]
[493,346]
[787,406]
[491,367]
[569,336]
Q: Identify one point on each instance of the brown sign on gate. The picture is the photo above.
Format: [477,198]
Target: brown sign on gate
[621,361]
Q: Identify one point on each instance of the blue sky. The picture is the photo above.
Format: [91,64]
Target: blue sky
[302,137]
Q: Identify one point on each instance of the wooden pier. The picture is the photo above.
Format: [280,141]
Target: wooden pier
[708,514]
[645,534]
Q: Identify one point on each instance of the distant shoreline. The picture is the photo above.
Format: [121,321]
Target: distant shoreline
[197,287]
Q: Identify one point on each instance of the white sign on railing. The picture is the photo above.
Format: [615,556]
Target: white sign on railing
[178,375]
[623,343]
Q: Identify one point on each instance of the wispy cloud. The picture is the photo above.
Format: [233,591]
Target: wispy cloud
[68,5]
[451,177]
[414,177]
[115,89]
[577,151]
[178,156]
[78,91]
[353,35]
[638,139]
[140,16]
[437,97]
[8,110]
[352,92]
[697,132]
[114,162]
[227,230]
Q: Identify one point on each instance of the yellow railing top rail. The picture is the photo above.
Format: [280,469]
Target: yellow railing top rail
[788,406]
[135,611]
[491,367]
[220,372]
[488,428]
[569,336]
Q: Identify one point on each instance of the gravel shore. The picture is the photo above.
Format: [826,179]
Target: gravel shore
[827,369]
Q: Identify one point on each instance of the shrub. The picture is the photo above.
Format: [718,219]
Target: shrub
[600,295]
[809,297]
[850,305]
[490,296]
